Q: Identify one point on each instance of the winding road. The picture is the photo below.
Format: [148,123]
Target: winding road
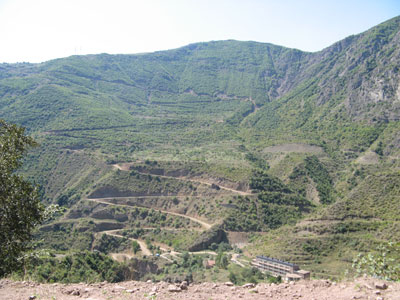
[242,193]
[205,225]
[145,250]
[141,243]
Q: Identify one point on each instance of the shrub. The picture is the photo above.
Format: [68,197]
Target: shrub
[384,264]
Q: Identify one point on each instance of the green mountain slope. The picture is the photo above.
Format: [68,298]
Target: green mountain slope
[249,136]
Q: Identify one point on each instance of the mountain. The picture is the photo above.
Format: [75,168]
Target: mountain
[246,136]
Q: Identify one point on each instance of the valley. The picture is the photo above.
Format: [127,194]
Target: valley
[211,151]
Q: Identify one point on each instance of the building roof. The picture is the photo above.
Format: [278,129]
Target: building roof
[294,276]
[211,262]
[303,272]
[270,259]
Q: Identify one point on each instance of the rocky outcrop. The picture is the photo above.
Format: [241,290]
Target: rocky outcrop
[214,235]
[142,267]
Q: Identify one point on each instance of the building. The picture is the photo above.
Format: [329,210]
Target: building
[208,264]
[304,274]
[276,267]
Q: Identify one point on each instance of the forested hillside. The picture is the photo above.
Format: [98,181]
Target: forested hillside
[249,137]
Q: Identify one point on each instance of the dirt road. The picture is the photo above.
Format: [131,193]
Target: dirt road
[126,168]
[141,243]
[205,225]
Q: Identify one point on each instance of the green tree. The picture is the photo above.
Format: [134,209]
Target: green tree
[20,207]
[135,247]
[222,260]
[186,259]
[232,277]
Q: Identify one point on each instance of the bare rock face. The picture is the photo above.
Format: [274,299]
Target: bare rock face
[142,267]
[214,235]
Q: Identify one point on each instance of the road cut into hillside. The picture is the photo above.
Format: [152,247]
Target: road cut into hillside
[205,225]
[211,184]
[141,243]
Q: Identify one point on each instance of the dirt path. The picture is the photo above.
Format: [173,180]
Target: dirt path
[202,223]
[256,108]
[130,290]
[150,197]
[204,252]
[126,168]
[123,167]
[146,250]
[142,244]
[330,222]
[121,257]
[235,260]
[196,220]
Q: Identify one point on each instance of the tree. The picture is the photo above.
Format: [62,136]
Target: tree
[186,259]
[135,247]
[222,260]
[20,207]
[232,277]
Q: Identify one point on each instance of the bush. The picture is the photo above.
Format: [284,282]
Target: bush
[78,267]
[384,264]
[135,247]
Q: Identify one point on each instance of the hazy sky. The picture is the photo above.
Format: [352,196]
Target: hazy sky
[39,30]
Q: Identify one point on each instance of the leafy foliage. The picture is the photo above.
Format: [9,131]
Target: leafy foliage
[275,205]
[78,267]
[222,260]
[384,264]
[313,168]
[135,247]
[20,208]
[245,275]
[183,268]
[321,177]
[107,243]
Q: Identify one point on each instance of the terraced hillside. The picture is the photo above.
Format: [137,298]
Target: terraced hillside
[302,148]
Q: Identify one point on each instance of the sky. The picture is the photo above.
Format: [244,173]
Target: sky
[40,30]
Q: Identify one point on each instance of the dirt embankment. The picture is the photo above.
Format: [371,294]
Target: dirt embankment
[315,289]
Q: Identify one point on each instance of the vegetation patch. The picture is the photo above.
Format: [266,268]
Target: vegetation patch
[73,268]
